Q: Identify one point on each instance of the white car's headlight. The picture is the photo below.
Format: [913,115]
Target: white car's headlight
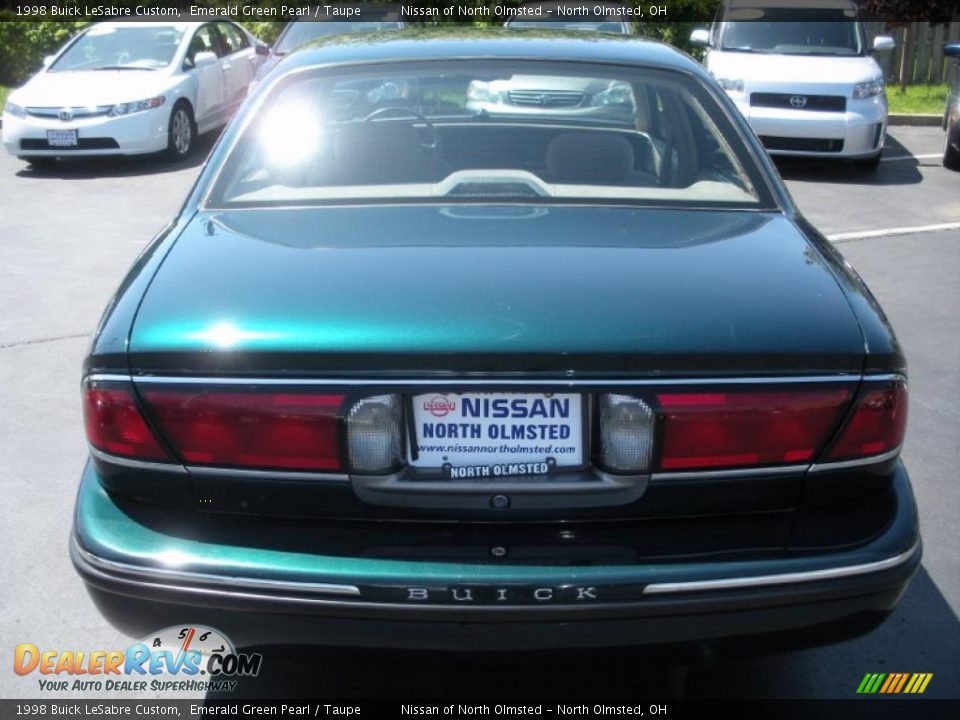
[730,85]
[14,109]
[869,88]
[617,93]
[389,90]
[136,106]
[479,91]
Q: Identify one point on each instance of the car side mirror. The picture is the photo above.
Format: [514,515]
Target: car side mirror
[204,58]
[700,36]
[48,60]
[952,49]
[883,43]
[262,49]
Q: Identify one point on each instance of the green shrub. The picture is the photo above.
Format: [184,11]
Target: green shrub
[23,45]
[265,31]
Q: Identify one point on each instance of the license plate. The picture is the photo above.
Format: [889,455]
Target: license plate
[62,138]
[489,435]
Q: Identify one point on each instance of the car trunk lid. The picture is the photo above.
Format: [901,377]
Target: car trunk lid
[496,289]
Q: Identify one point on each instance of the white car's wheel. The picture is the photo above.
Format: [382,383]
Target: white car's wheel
[181,132]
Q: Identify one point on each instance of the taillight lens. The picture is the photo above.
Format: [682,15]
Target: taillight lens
[374,434]
[114,425]
[878,424]
[626,433]
[745,428]
[268,430]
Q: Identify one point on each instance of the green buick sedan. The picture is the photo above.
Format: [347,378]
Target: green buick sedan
[494,340]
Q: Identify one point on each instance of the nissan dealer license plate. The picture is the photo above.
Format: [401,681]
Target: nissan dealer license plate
[480,435]
[62,138]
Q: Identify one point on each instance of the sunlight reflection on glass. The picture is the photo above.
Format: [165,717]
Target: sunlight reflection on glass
[291,132]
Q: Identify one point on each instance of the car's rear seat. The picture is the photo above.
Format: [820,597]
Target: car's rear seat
[594,158]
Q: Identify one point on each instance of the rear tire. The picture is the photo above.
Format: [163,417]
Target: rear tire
[181,132]
[951,156]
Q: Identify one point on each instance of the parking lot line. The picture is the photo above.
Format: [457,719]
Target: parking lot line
[926,156]
[886,232]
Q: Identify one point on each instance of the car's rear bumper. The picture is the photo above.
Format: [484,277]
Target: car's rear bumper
[142,580]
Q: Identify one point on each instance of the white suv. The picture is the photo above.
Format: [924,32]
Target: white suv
[803,76]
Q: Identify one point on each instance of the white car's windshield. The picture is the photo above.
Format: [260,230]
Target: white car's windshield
[482,130]
[137,47]
[829,36]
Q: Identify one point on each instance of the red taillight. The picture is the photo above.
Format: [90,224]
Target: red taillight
[114,425]
[745,428]
[878,424]
[289,431]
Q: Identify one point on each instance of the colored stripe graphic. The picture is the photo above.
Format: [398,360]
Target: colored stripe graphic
[903,681]
[894,683]
[870,683]
[918,683]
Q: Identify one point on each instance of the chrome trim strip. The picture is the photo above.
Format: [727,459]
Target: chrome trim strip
[783,578]
[77,113]
[742,472]
[888,377]
[137,464]
[858,462]
[456,381]
[106,377]
[191,578]
[276,475]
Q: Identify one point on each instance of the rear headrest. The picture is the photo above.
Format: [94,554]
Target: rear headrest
[381,152]
[583,157]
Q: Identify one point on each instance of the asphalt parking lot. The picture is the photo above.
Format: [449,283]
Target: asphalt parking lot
[67,237]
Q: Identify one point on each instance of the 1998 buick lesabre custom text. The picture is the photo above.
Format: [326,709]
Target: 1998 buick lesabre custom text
[402,373]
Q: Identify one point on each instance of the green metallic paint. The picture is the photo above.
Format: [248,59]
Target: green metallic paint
[104,530]
[436,282]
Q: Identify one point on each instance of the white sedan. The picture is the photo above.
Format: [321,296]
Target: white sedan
[131,88]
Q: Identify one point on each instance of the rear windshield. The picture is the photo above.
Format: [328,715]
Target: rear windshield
[487,131]
[819,32]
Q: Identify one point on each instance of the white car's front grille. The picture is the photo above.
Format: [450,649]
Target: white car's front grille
[545,98]
[799,101]
[69,113]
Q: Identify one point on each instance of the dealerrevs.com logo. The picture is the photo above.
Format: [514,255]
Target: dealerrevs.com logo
[189,658]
